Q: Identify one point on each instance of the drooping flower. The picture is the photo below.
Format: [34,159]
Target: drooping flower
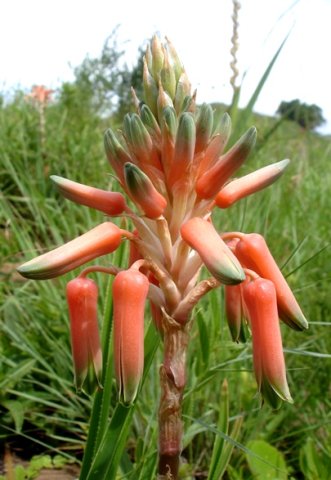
[269,365]
[130,290]
[82,297]
[234,312]
[253,253]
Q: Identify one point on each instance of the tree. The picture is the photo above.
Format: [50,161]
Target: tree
[105,81]
[307,116]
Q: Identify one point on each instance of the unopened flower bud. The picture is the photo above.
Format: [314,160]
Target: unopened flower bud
[249,184]
[157,57]
[111,203]
[210,182]
[184,150]
[150,89]
[168,77]
[116,154]
[143,192]
[183,91]
[204,127]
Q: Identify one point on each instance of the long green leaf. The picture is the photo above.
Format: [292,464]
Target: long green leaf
[245,115]
[223,424]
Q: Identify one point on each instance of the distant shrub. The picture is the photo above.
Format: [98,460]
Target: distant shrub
[307,116]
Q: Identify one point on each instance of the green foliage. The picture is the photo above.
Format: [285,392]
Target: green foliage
[314,462]
[265,461]
[307,116]
[104,82]
[35,466]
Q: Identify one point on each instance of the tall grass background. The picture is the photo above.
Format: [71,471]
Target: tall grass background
[40,410]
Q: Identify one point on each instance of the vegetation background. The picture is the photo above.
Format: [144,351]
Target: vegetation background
[40,411]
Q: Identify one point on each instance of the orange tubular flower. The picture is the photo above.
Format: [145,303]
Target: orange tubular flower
[200,235]
[103,239]
[249,184]
[269,365]
[130,290]
[111,203]
[82,297]
[253,252]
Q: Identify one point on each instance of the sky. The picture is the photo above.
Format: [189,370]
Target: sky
[41,41]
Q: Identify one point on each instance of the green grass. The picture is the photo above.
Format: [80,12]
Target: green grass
[37,398]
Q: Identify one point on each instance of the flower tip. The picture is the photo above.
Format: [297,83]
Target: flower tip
[129,393]
[282,164]
[232,275]
[295,321]
[56,179]
[33,269]
[275,396]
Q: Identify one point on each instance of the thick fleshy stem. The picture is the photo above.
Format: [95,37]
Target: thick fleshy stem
[172,380]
